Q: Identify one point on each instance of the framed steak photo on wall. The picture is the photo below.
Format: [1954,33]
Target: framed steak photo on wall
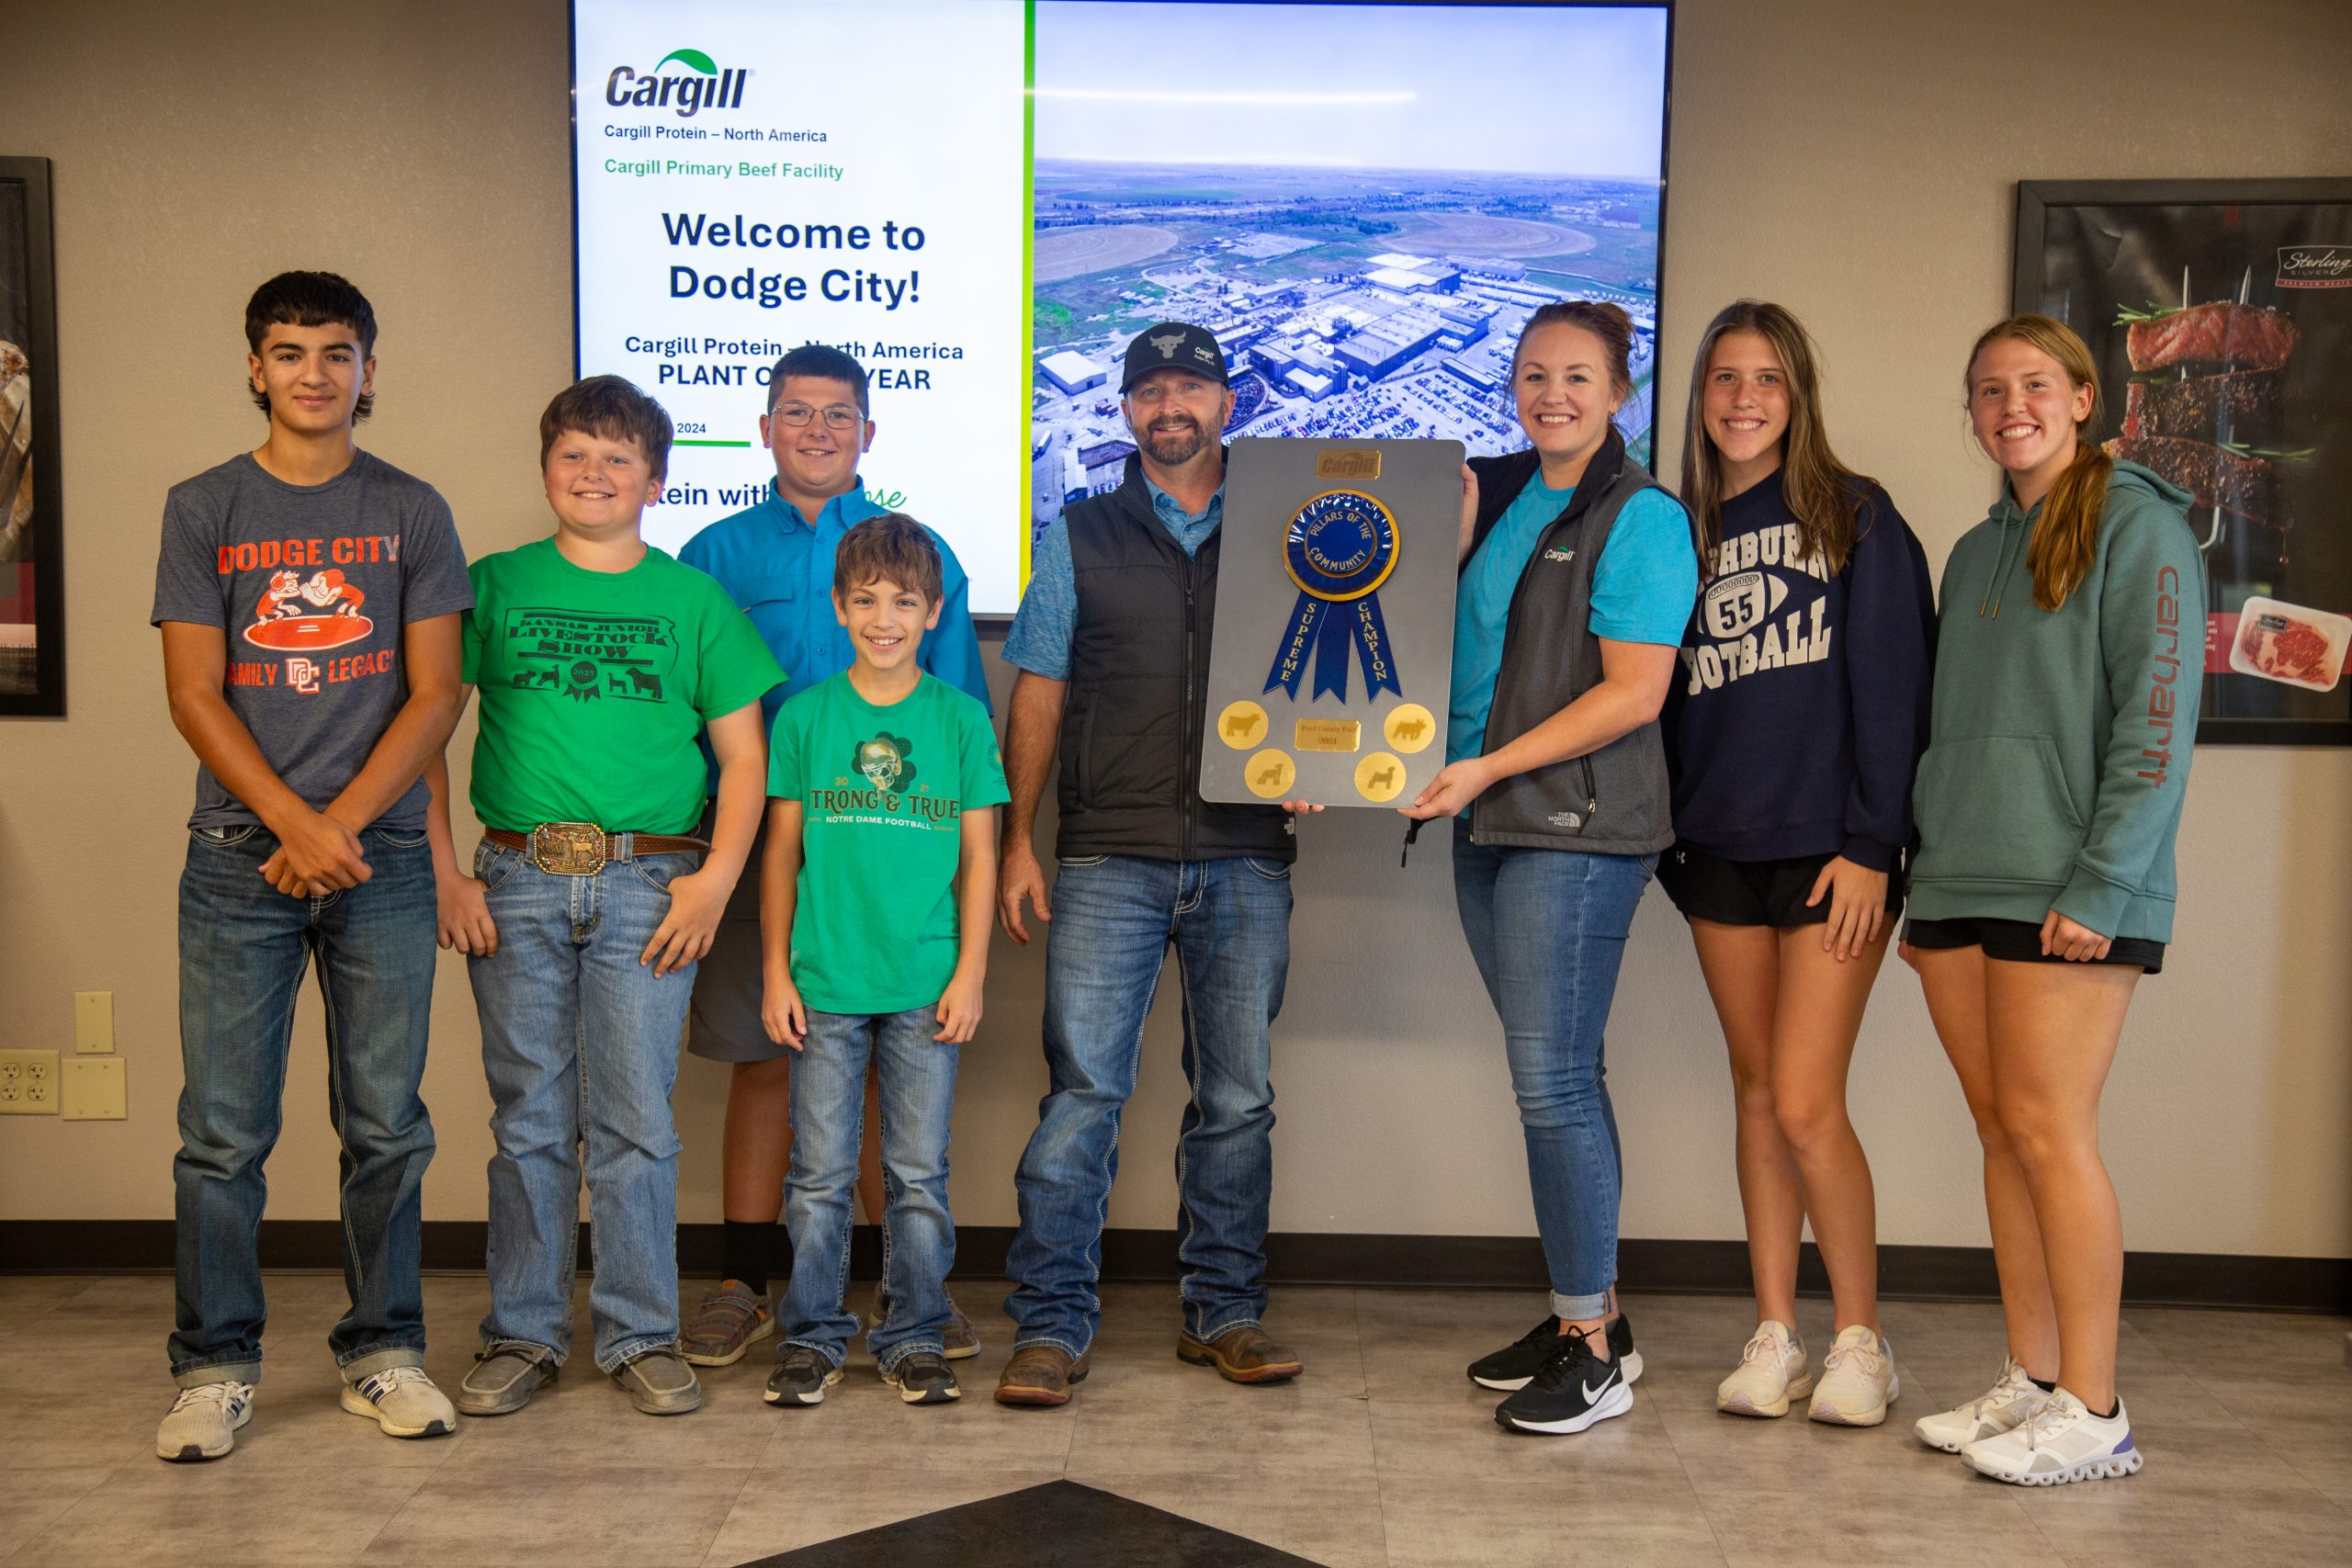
[32,560]
[2219,313]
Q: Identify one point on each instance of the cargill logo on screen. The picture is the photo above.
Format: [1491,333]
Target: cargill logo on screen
[701,85]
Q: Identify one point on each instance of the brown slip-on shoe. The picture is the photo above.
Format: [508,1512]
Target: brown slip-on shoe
[1040,1375]
[1243,1353]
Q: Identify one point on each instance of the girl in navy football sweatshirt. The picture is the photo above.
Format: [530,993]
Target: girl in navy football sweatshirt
[1792,730]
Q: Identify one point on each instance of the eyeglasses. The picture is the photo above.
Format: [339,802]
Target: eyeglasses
[840,416]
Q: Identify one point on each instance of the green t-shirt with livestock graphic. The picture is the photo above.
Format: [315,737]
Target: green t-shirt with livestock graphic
[594,685]
[882,791]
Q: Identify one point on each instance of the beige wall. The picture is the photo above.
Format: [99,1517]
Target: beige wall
[1853,160]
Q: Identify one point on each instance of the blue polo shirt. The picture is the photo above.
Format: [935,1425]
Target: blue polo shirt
[780,570]
[1047,621]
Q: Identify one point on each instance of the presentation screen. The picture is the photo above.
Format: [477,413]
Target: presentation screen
[984,202]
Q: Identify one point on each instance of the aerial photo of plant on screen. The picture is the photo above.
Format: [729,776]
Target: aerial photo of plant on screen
[1363,203]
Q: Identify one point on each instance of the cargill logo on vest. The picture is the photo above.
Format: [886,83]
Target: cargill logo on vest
[700,85]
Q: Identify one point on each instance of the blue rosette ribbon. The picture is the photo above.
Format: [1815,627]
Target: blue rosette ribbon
[1340,548]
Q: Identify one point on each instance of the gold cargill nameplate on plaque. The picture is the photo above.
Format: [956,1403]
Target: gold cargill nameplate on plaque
[1348,463]
[1328,735]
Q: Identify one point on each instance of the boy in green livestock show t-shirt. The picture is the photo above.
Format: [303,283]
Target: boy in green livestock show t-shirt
[874,894]
[600,660]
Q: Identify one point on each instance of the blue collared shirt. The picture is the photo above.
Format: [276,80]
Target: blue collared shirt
[780,570]
[1047,621]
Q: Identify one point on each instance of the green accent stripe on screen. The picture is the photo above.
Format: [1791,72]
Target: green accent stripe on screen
[1028,271]
[710,443]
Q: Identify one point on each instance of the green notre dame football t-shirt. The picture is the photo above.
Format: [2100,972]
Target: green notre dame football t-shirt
[594,685]
[882,791]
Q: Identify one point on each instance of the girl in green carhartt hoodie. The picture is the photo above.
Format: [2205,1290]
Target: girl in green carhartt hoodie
[2068,662]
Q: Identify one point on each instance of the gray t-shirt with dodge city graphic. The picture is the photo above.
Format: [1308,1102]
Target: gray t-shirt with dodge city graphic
[312,585]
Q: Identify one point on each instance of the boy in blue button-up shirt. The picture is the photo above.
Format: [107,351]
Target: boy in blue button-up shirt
[776,560]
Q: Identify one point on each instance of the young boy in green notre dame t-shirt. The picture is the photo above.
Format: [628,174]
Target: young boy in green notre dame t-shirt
[600,660]
[874,896]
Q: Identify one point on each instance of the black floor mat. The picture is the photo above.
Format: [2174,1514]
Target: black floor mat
[1058,1524]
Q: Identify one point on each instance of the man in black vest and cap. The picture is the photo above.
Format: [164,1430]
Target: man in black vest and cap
[1112,646]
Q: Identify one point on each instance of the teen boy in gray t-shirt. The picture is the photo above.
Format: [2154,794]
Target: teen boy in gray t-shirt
[310,597]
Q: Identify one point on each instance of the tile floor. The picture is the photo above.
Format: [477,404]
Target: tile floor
[1382,1454]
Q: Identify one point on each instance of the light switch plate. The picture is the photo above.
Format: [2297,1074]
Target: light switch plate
[93,1023]
[95,1089]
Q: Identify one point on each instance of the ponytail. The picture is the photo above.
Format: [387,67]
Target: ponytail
[2067,536]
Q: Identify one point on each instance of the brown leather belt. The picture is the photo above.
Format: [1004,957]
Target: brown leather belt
[582,849]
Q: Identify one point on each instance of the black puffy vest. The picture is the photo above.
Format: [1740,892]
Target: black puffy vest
[1138,689]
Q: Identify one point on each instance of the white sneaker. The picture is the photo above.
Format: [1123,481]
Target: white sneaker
[203,1421]
[1857,1380]
[2007,1403]
[1771,1372]
[2062,1443]
[403,1402]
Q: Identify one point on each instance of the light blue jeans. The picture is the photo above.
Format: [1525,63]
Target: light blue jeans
[1548,930]
[579,1042]
[1115,917]
[918,1077]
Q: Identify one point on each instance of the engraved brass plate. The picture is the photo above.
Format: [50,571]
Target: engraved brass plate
[1328,735]
[568,849]
[1348,463]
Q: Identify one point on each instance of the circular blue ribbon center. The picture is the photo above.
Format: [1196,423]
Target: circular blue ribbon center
[1340,546]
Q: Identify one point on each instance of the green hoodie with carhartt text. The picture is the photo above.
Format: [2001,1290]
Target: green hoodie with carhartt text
[2058,751]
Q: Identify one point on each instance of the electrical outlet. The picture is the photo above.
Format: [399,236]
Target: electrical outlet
[28,1083]
[93,1090]
[93,1023]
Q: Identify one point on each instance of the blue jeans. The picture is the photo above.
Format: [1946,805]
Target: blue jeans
[579,1042]
[1114,917]
[1548,930]
[828,1126]
[243,947]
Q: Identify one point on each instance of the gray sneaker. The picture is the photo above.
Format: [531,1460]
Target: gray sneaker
[923,1377]
[203,1421]
[505,1377]
[659,1381]
[729,1319]
[958,1338]
[802,1377]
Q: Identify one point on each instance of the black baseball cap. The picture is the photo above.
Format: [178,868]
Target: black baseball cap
[1174,346]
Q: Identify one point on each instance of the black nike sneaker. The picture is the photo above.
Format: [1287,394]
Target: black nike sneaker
[1567,1393]
[1508,1369]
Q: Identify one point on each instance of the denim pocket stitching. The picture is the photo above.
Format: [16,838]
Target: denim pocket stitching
[637,863]
[487,866]
[1280,872]
[1082,859]
[223,837]
[399,839]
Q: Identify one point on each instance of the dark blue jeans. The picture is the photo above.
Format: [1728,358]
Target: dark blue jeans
[1548,930]
[1114,919]
[244,949]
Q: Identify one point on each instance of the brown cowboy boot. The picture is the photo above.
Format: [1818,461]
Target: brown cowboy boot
[1243,1353]
[1040,1375]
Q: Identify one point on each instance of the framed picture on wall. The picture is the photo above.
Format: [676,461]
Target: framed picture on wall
[2220,315]
[32,560]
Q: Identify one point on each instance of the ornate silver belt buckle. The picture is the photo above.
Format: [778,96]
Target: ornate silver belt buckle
[568,849]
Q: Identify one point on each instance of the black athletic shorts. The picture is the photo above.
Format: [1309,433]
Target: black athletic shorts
[2019,941]
[1752,892]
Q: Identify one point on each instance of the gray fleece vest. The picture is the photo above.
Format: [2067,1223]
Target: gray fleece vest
[1613,801]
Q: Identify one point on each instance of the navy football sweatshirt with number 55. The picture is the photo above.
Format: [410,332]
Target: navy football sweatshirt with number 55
[1799,707]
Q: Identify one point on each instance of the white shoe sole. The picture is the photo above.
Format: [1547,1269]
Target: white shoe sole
[766,1330]
[921,1396]
[1616,1401]
[1832,1416]
[192,1453]
[1740,1405]
[357,1405]
[1512,1385]
[961,1353]
[2107,1467]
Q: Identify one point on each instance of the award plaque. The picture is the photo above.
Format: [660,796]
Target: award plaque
[1332,667]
